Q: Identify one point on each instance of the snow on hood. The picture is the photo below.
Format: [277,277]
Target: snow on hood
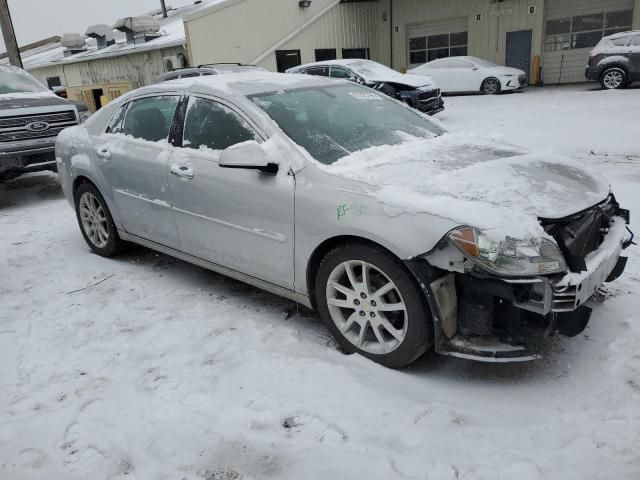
[472,181]
[375,72]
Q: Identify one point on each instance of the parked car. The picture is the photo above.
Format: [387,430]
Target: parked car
[403,236]
[30,119]
[615,60]
[207,70]
[418,91]
[472,74]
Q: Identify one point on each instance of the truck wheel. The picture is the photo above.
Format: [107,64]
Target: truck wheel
[96,222]
[372,305]
[613,78]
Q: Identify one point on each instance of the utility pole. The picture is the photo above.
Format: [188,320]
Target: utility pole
[164,8]
[9,35]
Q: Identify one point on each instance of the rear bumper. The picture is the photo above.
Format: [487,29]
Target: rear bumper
[591,73]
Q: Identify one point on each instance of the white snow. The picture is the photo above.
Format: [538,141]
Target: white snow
[167,371]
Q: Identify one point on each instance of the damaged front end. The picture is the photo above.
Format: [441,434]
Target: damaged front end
[484,310]
[425,99]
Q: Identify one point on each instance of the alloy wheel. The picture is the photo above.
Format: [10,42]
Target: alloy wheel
[612,79]
[491,86]
[367,307]
[94,220]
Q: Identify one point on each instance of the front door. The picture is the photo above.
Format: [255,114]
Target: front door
[286,59]
[518,53]
[634,57]
[236,218]
[133,158]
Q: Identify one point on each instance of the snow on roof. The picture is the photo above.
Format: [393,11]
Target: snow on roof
[250,82]
[172,35]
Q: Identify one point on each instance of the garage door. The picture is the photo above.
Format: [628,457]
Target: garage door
[572,28]
[429,41]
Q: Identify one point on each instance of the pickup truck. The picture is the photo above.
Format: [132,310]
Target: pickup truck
[31,117]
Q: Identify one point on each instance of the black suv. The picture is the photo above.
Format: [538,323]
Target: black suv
[615,60]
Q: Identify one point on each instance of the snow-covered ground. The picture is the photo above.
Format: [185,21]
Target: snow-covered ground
[167,371]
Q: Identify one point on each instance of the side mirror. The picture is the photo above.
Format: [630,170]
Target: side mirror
[249,156]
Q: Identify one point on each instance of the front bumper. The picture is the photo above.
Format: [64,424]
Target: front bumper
[431,106]
[22,157]
[483,317]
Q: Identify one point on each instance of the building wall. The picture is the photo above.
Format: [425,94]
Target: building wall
[566,66]
[139,69]
[487,36]
[248,31]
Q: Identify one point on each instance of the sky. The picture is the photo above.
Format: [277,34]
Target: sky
[34,20]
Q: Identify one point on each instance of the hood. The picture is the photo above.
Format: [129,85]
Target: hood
[473,181]
[11,101]
[506,71]
[414,81]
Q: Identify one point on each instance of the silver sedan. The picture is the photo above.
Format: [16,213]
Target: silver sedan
[403,236]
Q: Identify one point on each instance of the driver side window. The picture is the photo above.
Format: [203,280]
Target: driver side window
[211,125]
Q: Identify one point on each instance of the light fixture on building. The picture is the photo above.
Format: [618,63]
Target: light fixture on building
[304,3]
[478,17]
[532,9]
[384,16]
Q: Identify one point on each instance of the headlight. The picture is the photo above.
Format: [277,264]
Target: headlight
[510,257]
[84,115]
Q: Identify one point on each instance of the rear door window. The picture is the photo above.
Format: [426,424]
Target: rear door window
[319,71]
[209,125]
[150,118]
[339,72]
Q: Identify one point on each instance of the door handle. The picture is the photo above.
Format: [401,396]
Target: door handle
[183,171]
[103,152]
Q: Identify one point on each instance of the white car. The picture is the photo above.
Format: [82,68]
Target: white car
[472,74]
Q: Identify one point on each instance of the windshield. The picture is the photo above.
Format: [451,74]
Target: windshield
[331,122]
[19,82]
[481,62]
[369,69]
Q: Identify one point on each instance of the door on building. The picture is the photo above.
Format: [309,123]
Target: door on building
[286,59]
[518,53]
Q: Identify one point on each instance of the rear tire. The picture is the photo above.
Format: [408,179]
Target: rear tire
[372,305]
[613,78]
[490,86]
[95,221]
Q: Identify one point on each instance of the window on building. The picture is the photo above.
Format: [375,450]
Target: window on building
[150,118]
[325,54]
[584,31]
[53,82]
[320,71]
[355,53]
[432,47]
[211,125]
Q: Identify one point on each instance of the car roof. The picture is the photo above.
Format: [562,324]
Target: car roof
[344,62]
[622,34]
[252,82]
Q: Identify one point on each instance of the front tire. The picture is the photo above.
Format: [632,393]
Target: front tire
[613,78]
[490,86]
[95,221]
[372,305]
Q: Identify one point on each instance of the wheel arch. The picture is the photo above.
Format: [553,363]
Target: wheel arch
[615,64]
[490,77]
[325,247]
[79,180]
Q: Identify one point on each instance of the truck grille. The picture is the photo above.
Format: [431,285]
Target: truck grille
[15,128]
[26,135]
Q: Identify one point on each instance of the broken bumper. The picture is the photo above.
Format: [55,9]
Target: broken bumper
[483,317]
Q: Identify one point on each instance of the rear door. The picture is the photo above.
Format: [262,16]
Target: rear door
[236,218]
[462,76]
[133,156]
